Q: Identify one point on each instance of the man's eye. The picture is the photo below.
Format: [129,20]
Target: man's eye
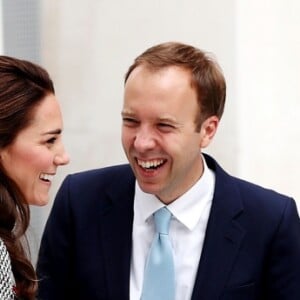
[165,125]
[129,121]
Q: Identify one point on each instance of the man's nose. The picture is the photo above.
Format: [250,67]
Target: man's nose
[144,140]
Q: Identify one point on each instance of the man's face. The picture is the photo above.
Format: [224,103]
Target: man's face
[158,131]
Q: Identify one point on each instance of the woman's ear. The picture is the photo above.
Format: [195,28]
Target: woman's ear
[208,130]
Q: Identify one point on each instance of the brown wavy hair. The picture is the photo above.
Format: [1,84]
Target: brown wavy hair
[23,85]
[206,75]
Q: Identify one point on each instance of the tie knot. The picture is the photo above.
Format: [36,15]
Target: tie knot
[162,219]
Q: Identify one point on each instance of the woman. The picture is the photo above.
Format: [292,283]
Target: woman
[31,149]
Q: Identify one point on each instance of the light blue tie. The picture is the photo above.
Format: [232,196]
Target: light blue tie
[159,277]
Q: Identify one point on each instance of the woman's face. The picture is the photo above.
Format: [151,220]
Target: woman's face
[32,159]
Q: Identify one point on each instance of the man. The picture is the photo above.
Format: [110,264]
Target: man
[230,239]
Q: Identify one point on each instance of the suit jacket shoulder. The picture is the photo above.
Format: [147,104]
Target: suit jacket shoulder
[245,195]
[87,238]
[252,243]
[114,183]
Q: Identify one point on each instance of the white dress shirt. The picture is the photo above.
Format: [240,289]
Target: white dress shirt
[190,214]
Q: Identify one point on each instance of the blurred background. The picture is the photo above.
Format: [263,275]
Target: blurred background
[87,46]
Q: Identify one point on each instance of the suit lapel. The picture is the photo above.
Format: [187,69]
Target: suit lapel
[222,240]
[115,236]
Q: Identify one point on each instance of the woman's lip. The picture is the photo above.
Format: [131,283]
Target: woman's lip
[47,177]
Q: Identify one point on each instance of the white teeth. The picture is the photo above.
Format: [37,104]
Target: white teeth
[150,163]
[47,177]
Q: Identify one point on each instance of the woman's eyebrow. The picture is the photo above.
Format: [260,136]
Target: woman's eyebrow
[55,131]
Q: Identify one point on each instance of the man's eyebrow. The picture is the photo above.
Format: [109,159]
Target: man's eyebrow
[168,119]
[126,113]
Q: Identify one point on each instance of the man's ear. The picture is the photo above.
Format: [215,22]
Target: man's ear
[208,130]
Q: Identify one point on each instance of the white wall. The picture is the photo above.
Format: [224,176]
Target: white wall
[267,85]
[88,46]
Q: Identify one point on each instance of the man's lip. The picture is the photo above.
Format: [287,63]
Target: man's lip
[150,163]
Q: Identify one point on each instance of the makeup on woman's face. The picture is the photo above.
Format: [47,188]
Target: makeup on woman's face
[32,159]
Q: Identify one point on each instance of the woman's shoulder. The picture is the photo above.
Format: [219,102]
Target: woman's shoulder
[6,281]
[4,256]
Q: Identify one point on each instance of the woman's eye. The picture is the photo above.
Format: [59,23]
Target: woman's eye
[51,141]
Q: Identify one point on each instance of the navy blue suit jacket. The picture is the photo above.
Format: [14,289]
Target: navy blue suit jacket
[251,249]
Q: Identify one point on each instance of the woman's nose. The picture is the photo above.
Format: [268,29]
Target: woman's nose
[62,158]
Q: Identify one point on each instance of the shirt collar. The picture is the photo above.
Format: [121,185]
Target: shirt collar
[187,209]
